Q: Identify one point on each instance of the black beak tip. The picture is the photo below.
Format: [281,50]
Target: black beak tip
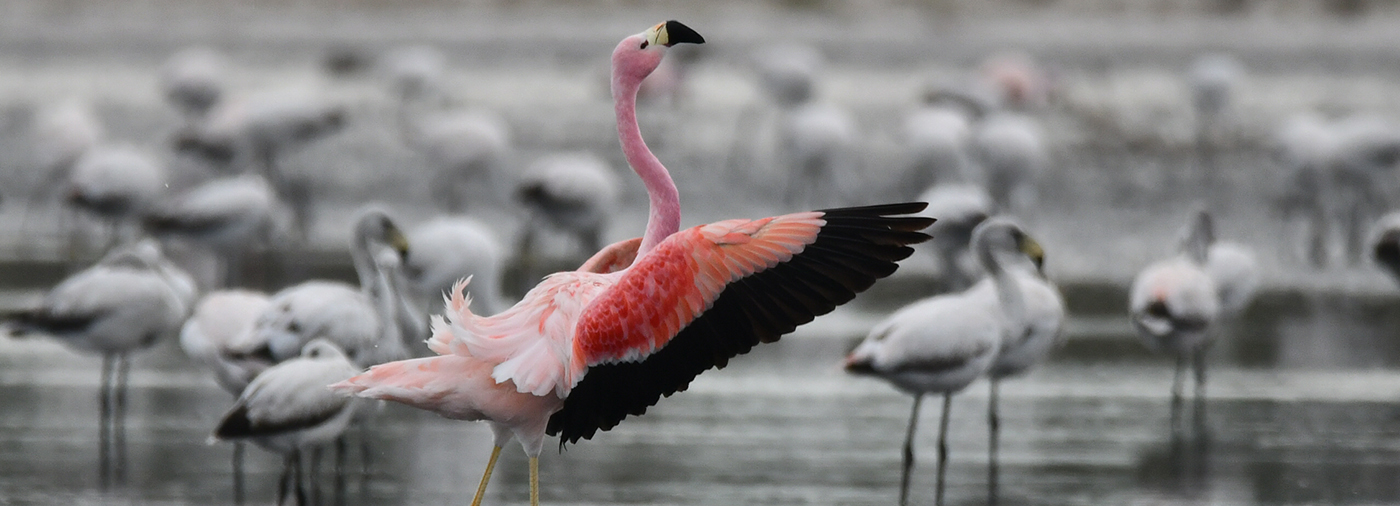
[681,34]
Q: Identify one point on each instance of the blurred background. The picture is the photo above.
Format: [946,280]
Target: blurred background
[1099,125]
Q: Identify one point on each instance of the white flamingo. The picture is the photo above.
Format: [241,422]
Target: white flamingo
[1214,80]
[116,184]
[819,148]
[361,321]
[210,337]
[574,193]
[468,148]
[959,209]
[937,138]
[450,248]
[943,343]
[194,80]
[1012,155]
[288,409]
[256,130]
[231,216]
[128,301]
[1173,304]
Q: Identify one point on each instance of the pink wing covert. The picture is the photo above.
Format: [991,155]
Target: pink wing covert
[669,287]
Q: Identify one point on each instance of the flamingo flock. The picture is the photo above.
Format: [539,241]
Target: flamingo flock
[449,318]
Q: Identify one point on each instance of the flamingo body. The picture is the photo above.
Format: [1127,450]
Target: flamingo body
[213,330]
[115,181]
[1173,302]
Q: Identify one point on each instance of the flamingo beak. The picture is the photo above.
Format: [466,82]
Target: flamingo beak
[1033,250]
[398,241]
[671,33]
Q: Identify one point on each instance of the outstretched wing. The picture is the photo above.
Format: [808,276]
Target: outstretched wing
[752,285]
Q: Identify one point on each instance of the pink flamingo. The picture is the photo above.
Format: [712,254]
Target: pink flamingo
[585,349]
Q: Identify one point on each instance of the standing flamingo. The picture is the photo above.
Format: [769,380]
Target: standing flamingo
[209,336]
[1214,79]
[468,147]
[287,409]
[575,193]
[235,217]
[128,301]
[193,81]
[1174,302]
[116,184]
[937,138]
[583,350]
[943,343]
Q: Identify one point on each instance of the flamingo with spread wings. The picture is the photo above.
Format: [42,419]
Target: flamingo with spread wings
[585,349]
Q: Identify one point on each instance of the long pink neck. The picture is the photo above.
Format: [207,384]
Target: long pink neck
[665,216]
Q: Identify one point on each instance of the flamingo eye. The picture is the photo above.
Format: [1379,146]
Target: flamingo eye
[644,45]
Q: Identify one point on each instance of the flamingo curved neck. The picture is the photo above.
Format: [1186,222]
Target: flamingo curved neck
[377,286]
[1009,295]
[665,215]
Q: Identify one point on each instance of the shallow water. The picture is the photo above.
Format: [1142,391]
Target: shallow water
[781,426]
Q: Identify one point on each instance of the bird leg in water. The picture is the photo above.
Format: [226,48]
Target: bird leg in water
[314,475]
[300,481]
[1199,412]
[238,473]
[486,477]
[909,451]
[119,418]
[993,442]
[340,453]
[284,484]
[943,448]
[534,481]
[1200,369]
[104,399]
[1178,384]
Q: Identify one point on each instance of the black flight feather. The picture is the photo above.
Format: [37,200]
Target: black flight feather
[857,246]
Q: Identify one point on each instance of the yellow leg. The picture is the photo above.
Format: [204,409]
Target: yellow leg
[490,466]
[534,481]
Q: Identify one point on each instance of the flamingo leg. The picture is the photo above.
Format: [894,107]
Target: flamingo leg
[486,477]
[909,451]
[534,481]
[993,443]
[284,484]
[1200,368]
[119,416]
[1178,384]
[238,473]
[340,453]
[300,481]
[104,399]
[314,476]
[943,448]
[1199,413]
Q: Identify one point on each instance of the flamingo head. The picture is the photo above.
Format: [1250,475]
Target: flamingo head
[638,55]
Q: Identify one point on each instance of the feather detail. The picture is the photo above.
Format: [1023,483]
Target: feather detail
[528,343]
[672,285]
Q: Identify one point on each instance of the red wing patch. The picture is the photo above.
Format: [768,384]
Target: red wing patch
[672,285]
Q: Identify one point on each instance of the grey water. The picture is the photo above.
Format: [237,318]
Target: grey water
[783,425]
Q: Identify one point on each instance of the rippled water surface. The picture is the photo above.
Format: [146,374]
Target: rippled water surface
[783,426]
